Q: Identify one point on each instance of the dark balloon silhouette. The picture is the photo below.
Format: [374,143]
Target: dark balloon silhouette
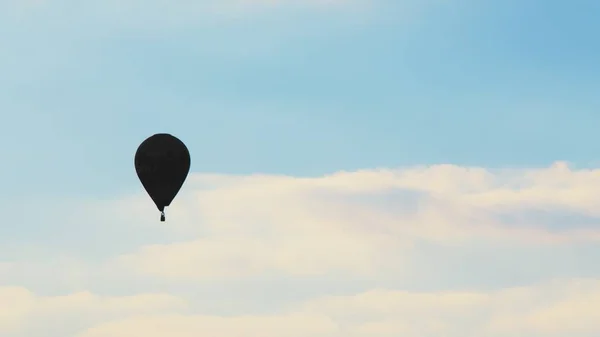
[162,163]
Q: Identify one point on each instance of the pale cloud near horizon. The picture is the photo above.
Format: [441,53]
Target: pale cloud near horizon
[558,308]
[423,251]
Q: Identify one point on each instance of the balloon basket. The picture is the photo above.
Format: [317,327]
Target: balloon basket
[162,216]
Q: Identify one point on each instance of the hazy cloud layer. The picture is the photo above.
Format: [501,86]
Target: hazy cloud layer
[423,251]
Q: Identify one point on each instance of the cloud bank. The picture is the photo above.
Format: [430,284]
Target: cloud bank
[423,251]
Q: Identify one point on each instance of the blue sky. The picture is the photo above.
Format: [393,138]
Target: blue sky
[351,161]
[297,91]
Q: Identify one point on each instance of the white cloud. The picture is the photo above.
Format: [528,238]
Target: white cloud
[22,313]
[424,251]
[557,308]
[364,222]
[191,326]
[5,267]
[14,304]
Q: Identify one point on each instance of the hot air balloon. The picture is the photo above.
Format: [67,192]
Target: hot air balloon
[162,163]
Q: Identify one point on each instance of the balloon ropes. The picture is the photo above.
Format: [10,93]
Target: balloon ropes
[162,163]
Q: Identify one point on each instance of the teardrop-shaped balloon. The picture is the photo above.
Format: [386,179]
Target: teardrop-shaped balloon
[162,163]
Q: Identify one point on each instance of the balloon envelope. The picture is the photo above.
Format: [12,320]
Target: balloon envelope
[162,163]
